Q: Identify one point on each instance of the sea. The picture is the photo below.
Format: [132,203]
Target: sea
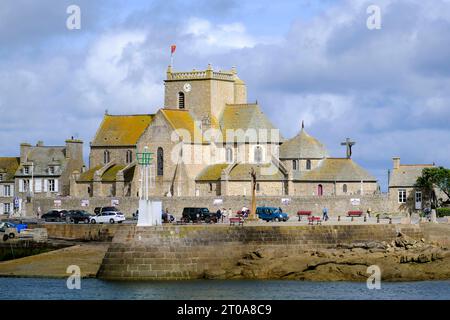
[96,289]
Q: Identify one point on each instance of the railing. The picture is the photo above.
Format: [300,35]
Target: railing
[201,75]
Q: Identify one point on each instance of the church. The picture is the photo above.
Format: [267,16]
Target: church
[205,141]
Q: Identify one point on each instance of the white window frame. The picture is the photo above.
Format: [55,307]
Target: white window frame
[263,154]
[401,195]
[51,185]
[7,190]
[26,170]
[7,207]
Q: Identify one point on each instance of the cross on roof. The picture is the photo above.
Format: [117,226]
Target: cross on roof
[349,145]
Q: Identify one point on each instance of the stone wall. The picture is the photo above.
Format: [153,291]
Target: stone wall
[337,205]
[187,252]
[79,232]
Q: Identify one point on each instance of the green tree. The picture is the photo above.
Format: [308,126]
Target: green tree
[432,179]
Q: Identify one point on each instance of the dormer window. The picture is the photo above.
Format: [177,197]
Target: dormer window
[180,100]
[51,170]
[26,170]
[1,177]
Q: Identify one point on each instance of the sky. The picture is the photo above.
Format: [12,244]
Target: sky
[312,60]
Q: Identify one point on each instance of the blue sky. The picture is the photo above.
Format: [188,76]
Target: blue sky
[302,60]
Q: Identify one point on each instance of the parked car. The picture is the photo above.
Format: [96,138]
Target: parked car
[76,216]
[197,214]
[55,215]
[10,229]
[99,210]
[271,214]
[108,217]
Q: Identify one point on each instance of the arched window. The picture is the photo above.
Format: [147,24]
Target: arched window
[129,156]
[258,154]
[308,164]
[106,157]
[180,100]
[210,187]
[258,187]
[344,188]
[320,190]
[229,155]
[160,161]
[294,164]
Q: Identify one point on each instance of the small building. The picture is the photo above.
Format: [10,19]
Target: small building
[8,168]
[403,195]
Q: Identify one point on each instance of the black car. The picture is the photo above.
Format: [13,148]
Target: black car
[55,215]
[76,216]
[197,214]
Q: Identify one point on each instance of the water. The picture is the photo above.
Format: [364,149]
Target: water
[49,289]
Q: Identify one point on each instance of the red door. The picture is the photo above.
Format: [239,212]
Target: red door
[320,190]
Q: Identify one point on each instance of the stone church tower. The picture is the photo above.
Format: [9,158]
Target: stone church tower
[204,93]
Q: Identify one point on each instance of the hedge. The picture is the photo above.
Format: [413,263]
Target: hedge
[442,212]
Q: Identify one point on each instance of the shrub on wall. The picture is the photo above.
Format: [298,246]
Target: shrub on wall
[443,212]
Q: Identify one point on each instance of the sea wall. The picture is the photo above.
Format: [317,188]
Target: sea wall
[337,205]
[190,252]
[79,232]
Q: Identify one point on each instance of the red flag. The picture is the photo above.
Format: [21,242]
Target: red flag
[173,48]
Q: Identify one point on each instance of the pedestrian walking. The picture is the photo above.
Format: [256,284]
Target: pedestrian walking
[325,214]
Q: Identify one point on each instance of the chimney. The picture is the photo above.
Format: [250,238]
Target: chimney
[396,162]
[74,149]
[24,150]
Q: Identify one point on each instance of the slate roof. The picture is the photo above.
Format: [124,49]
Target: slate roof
[240,172]
[42,157]
[335,169]
[246,116]
[406,175]
[303,146]
[8,168]
[121,130]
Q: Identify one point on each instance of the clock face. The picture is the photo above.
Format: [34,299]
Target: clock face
[187,87]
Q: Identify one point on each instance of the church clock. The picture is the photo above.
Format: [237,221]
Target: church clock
[187,87]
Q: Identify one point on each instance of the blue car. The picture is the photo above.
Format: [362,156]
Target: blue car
[271,214]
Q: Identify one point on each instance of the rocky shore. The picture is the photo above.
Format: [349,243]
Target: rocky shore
[403,259]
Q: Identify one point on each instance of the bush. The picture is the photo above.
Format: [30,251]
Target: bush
[443,212]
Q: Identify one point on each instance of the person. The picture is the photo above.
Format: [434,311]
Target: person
[38,213]
[325,214]
[164,216]
[218,215]
[224,214]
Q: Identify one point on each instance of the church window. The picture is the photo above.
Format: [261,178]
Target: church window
[229,155]
[180,100]
[308,164]
[258,188]
[344,188]
[106,157]
[210,187]
[160,161]
[320,190]
[295,164]
[258,154]
[129,156]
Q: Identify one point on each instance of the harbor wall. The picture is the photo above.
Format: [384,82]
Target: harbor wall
[189,252]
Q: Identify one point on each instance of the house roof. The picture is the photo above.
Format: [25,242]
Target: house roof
[245,117]
[44,156]
[8,167]
[303,146]
[406,175]
[335,169]
[240,172]
[121,130]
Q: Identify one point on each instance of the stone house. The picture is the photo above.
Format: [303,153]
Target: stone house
[44,171]
[8,168]
[403,195]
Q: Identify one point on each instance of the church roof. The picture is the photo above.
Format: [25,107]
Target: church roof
[335,169]
[406,175]
[240,172]
[181,120]
[247,116]
[108,176]
[121,130]
[88,175]
[8,167]
[303,146]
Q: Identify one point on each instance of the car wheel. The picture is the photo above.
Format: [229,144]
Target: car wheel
[86,220]
[5,237]
[111,220]
[11,235]
[58,219]
[277,219]
[119,221]
[93,221]
[208,220]
[76,221]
